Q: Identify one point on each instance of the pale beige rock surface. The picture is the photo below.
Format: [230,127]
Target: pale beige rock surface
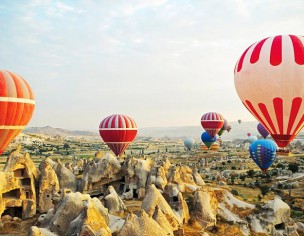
[48,186]
[143,225]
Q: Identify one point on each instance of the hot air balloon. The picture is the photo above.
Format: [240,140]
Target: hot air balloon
[262,130]
[118,131]
[269,79]
[252,138]
[16,106]
[248,134]
[263,152]
[207,139]
[212,122]
[189,142]
[214,147]
[240,121]
[228,128]
[225,126]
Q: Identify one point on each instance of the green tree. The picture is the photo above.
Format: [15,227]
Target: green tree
[250,173]
[294,167]
[280,165]
[264,189]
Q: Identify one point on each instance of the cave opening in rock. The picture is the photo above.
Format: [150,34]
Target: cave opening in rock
[19,173]
[13,212]
[135,195]
[26,182]
[13,194]
[175,199]
[280,226]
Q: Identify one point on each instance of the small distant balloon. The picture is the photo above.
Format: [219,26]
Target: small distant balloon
[262,130]
[263,152]
[189,142]
[248,134]
[240,121]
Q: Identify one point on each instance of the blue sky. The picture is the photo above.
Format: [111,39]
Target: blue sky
[164,63]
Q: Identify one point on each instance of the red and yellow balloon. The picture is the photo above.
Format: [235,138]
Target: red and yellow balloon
[17,104]
[269,79]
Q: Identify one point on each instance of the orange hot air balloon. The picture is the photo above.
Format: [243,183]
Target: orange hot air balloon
[269,79]
[16,106]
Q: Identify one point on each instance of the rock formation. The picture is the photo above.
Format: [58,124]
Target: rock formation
[205,206]
[154,198]
[48,186]
[17,188]
[97,174]
[89,222]
[142,225]
[113,202]
[66,178]
[76,213]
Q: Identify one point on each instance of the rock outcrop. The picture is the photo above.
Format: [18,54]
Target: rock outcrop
[89,222]
[66,178]
[17,188]
[48,186]
[97,174]
[205,206]
[76,213]
[114,204]
[142,225]
[154,198]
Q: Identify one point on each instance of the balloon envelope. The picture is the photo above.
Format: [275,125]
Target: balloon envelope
[225,127]
[240,121]
[17,105]
[248,134]
[207,139]
[212,122]
[262,130]
[118,131]
[263,152]
[189,142]
[228,128]
[269,79]
[252,138]
[214,147]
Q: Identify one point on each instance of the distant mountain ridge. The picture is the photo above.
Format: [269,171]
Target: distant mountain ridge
[238,131]
[47,130]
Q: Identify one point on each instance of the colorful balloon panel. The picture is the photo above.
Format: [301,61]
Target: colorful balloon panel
[207,139]
[17,105]
[224,128]
[212,122]
[262,130]
[118,131]
[214,147]
[269,79]
[263,152]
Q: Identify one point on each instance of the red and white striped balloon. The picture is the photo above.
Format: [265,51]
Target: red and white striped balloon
[118,131]
[269,79]
[212,122]
[16,106]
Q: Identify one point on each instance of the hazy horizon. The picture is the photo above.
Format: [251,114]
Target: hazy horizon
[164,63]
